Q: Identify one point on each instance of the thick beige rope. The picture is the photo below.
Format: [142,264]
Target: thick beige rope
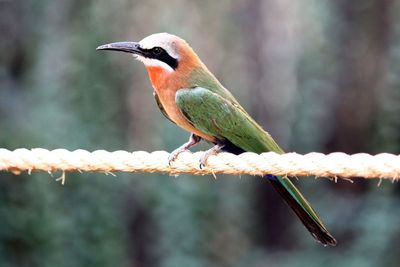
[291,164]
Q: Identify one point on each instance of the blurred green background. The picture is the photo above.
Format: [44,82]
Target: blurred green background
[319,75]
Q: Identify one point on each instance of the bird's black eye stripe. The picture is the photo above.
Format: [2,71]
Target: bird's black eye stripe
[162,55]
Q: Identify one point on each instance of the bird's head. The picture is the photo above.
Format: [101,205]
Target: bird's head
[159,50]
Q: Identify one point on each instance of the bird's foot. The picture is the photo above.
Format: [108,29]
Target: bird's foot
[193,140]
[212,151]
[174,154]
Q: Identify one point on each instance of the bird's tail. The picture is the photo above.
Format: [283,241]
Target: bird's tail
[302,209]
[296,201]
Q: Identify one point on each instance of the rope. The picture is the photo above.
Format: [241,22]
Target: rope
[291,164]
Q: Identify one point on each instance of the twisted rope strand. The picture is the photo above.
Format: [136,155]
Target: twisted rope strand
[292,164]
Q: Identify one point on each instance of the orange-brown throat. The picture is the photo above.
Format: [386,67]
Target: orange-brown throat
[165,84]
[156,75]
[165,81]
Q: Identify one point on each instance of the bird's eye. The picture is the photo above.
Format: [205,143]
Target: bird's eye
[157,50]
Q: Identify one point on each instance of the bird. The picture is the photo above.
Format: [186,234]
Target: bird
[189,95]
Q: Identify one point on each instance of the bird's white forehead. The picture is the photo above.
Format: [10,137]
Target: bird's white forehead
[164,40]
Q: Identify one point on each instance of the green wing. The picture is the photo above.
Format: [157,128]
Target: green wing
[219,117]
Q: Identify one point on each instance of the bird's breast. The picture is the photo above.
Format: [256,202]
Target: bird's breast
[166,85]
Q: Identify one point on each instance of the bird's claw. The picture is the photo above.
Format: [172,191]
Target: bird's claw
[174,155]
[212,151]
[203,160]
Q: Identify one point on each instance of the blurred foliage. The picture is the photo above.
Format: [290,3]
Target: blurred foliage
[319,75]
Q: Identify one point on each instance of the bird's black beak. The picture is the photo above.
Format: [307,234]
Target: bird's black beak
[128,47]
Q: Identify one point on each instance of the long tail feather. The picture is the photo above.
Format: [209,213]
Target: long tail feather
[296,201]
[302,209]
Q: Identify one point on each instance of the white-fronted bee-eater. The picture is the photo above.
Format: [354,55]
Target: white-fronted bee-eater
[189,95]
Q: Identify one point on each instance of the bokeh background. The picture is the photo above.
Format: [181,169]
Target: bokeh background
[319,75]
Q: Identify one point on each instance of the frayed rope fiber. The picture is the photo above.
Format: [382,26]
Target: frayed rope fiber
[291,164]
